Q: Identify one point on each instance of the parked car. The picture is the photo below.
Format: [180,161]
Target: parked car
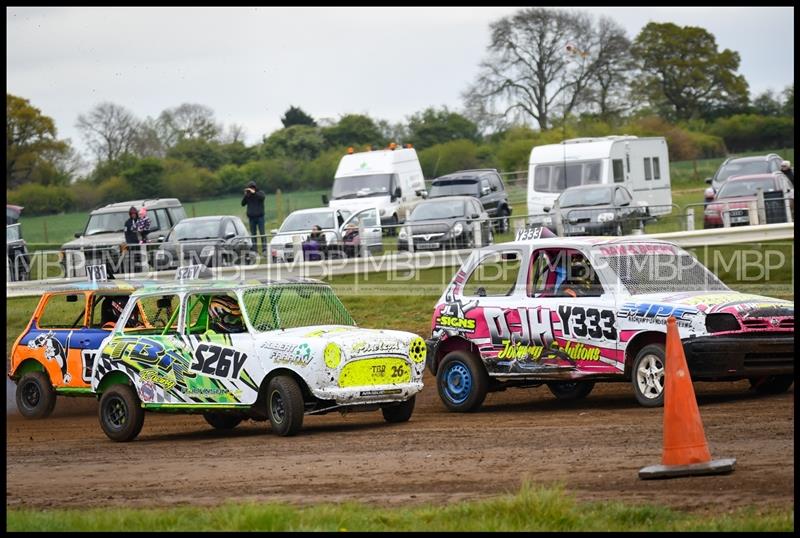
[741,166]
[569,312]
[211,241]
[737,194]
[55,352]
[444,223]
[334,224]
[599,210]
[102,240]
[260,350]
[484,184]
[17,259]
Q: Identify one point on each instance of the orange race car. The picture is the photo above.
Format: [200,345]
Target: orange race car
[55,353]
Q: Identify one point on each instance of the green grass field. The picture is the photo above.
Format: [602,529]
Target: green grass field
[533,508]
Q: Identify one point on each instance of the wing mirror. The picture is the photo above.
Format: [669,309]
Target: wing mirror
[230,235]
[274,231]
[546,209]
[78,234]
[397,193]
[708,180]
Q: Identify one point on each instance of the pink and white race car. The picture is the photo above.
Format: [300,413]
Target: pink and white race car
[570,312]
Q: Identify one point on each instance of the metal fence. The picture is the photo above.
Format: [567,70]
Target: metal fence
[411,237]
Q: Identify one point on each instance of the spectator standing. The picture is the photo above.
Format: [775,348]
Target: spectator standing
[143,225]
[786,168]
[131,230]
[254,200]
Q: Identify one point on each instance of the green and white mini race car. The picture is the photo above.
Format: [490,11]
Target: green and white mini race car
[260,350]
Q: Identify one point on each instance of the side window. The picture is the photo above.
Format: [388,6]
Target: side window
[177,214]
[240,229]
[773,165]
[591,173]
[656,168]
[648,174]
[106,310]
[619,197]
[63,312]
[562,273]
[485,187]
[229,228]
[495,276]
[154,314]
[541,179]
[214,313]
[494,182]
[163,220]
[619,173]
[628,163]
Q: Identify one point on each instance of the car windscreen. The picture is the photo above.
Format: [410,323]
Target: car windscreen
[360,186]
[193,230]
[106,223]
[657,268]
[736,188]
[437,210]
[453,188]
[302,222]
[745,168]
[555,177]
[285,306]
[585,197]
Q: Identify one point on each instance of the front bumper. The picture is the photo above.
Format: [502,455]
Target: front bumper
[370,393]
[739,357]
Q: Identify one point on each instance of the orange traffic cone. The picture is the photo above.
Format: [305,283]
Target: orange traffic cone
[685,446]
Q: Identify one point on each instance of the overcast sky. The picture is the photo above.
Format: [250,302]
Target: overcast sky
[250,64]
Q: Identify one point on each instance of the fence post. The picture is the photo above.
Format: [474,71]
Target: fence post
[788,207]
[194,211]
[477,236]
[689,219]
[362,243]
[752,212]
[558,222]
[297,248]
[279,206]
[726,216]
[44,223]
[759,208]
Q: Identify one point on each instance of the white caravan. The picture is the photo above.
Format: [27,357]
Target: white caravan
[641,164]
[389,179]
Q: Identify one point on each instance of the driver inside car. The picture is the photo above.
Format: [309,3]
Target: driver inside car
[224,315]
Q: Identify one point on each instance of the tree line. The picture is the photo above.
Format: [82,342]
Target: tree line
[548,74]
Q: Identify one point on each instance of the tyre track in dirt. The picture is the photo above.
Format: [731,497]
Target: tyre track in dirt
[594,447]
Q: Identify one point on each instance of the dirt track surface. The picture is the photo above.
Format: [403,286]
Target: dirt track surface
[594,447]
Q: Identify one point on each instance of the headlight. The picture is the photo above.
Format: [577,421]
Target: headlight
[416,350]
[332,355]
[711,212]
[458,228]
[402,234]
[207,251]
[605,217]
[383,212]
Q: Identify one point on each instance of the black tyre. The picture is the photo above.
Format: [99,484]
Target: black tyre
[391,232]
[772,384]
[121,413]
[502,224]
[285,405]
[571,390]
[222,421]
[462,381]
[36,397]
[399,412]
[647,375]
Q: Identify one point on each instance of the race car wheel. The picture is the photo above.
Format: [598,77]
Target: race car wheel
[571,390]
[462,381]
[222,421]
[36,397]
[285,405]
[121,413]
[772,384]
[399,412]
[648,375]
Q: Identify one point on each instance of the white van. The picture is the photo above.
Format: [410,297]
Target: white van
[641,164]
[389,179]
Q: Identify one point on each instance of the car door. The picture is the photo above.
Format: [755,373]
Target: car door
[370,220]
[224,366]
[583,326]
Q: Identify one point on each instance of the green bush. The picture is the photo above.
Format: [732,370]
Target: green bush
[145,177]
[751,132]
[188,183]
[231,179]
[449,157]
[87,195]
[114,189]
[41,199]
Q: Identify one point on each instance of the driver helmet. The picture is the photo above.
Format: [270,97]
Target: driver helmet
[224,313]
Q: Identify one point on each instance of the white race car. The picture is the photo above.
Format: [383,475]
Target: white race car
[569,312]
[249,350]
